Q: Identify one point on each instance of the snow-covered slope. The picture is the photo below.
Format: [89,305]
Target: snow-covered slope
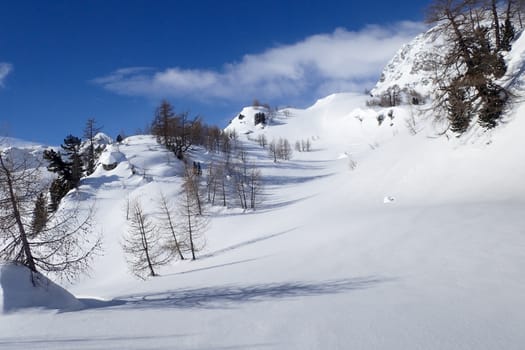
[21,150]
[413,68]
[383,236]
[413,71]
[323,263]
[19,289]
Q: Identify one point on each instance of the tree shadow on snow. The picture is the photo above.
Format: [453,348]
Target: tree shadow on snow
[211,267]
[292,180]
[268,204]
[245,243]
[89,341]
[231,296]
[295,165]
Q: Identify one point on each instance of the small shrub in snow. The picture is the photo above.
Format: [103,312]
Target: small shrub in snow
[411,125]
[380,118]
[352,164]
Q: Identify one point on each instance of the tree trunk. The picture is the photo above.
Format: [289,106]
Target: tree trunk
[145,245]
[190,231]
[496,24]
[29,260]
[172,228]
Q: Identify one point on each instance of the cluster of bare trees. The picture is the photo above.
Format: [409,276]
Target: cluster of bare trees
[303,145]
[236,181]
[247,181]
[155,240]
[178,132]
[60,242]
[478,32]
[178,230]
[262,140]
[280,149]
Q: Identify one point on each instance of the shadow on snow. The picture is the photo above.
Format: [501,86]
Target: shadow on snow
[245,243]
[231,296]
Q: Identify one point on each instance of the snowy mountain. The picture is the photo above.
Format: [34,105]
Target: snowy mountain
[382,236]
[23,150]
[412,69]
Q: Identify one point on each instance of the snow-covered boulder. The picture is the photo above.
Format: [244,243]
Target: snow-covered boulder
[102,139]
[20,289]
[111,157]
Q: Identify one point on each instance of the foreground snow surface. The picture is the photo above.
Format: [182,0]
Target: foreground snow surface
[323,263]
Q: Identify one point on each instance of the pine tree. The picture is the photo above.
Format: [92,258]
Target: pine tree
[474,60]
[71,147]
[69,172]
[40,215]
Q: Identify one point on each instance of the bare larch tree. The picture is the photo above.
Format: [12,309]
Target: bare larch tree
[143,244]
[61,243]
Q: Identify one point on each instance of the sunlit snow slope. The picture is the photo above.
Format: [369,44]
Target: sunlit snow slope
[375,239]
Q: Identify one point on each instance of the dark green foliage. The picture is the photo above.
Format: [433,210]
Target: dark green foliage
[485,61]
[56,164]
[58,189]
[260,118]
[40,215]
[60,186]
[508,35]
[69,171]
[476,58]
[459,107]
[73,170]
[71,146]
[494,98]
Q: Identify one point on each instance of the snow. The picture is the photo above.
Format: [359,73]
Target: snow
[21,289]
[111,155]
[19,150]
[324,262]
[411,68]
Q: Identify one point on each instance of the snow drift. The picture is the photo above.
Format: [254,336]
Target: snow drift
[21,289]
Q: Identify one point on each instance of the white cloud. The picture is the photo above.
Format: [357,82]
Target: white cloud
[5,69]
[318,65]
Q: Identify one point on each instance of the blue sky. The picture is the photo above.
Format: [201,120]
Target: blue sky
[62,62]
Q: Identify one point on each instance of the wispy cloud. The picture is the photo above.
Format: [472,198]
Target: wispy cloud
[5,69]
[318,65]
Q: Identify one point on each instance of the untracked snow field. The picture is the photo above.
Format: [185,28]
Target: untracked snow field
[324,262]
